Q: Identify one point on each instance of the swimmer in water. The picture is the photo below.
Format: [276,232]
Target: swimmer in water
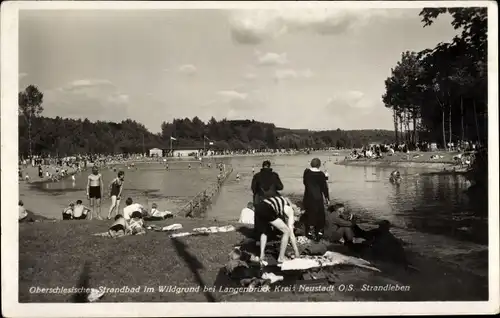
[253,170]
[94,191]
[73,178]
[189,166]
[395,177]
[237,177]
[166,166]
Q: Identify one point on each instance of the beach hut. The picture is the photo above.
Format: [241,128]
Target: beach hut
[155,152]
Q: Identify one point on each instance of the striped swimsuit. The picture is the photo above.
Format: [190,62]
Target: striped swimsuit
[271,209]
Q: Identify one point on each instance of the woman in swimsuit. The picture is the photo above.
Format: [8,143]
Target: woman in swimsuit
[115,193]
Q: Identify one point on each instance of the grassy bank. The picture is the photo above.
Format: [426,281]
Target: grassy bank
[54,254]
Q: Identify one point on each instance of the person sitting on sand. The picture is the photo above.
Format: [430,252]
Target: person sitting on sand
[339,224]
[67,213]
[22,211]
[136,223]
[132,207]
[247,214]
[80,211]
[275,212]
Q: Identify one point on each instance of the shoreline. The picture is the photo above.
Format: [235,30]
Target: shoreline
[437,166]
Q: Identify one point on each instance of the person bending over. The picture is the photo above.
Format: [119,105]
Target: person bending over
[275,212]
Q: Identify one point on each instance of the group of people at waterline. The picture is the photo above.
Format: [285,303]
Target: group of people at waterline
[274,215]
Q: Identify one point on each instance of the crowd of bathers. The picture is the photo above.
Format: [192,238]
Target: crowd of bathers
[274,215]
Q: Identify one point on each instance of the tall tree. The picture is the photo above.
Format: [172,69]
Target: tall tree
[30,106]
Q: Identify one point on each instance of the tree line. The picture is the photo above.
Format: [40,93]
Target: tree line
[40,135]
[441,94]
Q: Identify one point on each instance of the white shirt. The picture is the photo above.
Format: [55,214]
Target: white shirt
[22,213]
[246,216]
[128,210]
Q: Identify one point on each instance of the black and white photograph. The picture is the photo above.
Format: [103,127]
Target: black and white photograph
[275,158]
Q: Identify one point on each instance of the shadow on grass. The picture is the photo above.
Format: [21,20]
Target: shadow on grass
[83,284]
[194,265]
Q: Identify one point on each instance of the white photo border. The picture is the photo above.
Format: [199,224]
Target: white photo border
[10,191]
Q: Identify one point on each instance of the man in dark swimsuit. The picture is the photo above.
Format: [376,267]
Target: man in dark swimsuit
[94,191]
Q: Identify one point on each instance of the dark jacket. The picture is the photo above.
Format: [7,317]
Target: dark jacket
[266,183]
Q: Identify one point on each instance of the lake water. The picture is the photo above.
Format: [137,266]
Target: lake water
[431,212]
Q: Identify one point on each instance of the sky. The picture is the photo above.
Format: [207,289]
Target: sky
[316,69]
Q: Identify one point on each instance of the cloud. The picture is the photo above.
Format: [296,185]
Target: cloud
[188,69]
[348,101]
[271,59]
[22,75]
[232,95]
[256,26]
[290,74]
[95,99]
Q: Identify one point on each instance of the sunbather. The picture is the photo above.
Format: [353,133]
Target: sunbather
[155,213]
[80,211]
[119,227]
[67,213]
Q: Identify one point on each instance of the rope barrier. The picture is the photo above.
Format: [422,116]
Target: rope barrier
[203,201]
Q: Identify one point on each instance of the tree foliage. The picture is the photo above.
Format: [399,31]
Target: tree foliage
[30,106]
[440,94]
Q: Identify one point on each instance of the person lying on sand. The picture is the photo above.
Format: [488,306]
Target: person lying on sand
[67,213]
[119,227]
[155,213]
[275,212]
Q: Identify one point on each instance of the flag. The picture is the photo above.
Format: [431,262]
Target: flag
[172,138]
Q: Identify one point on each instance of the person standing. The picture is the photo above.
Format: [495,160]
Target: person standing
[315,196]
[94,191]
[115,192]
[266,183]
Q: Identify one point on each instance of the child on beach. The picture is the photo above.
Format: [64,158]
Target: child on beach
[156,214]
[67,213]
[119,227]
[80,211]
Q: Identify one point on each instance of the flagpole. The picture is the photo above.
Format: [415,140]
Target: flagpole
[171,151]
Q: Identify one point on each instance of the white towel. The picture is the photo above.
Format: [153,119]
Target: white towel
[172,227]
[329,259]
[180,234]
[272,277]
[227,228]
